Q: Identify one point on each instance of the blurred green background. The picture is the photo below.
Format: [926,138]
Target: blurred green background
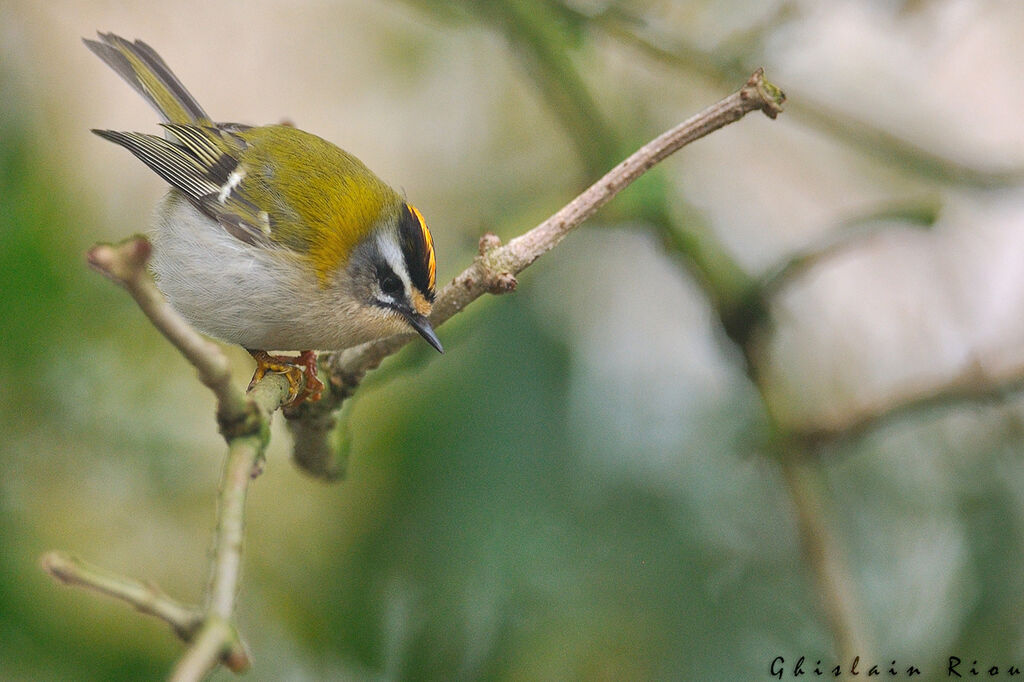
[587,485]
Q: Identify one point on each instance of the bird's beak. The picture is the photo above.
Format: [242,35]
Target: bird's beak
[422,325]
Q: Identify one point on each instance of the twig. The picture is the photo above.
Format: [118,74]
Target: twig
[897,152]
[495,268]
[972,384]
[545,42]
[145,597]
[244,455]
[125,264]
[920,213]
[321,441]
[824,557]
[218,640]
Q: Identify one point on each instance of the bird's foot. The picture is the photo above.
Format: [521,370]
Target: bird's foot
[293,369]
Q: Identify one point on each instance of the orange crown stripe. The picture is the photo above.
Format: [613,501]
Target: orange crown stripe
[431,264]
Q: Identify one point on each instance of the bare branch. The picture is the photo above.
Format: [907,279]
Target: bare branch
[318,447]
[719,66]
[145,597]
[757,95]
[972,384]
[243,464]
[920,213]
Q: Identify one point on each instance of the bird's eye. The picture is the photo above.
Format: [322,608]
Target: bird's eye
[391,285]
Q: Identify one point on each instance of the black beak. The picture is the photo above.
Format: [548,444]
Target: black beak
[422,325]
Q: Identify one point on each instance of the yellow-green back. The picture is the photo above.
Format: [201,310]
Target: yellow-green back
[324,200]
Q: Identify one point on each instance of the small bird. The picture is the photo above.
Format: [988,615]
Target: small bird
[270,237]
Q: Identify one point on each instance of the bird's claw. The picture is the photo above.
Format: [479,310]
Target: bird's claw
[293,369]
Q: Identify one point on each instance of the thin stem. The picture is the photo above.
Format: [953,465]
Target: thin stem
[823,556]
[227,564]
[125,264]
[145,597]
[756,95]
[974,383]
[869,139]
[219,642]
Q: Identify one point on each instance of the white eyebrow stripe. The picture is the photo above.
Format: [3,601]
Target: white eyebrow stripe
[392,253]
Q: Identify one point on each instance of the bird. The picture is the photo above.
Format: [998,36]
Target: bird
[270,237]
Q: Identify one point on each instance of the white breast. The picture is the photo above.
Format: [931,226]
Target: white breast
[254,296]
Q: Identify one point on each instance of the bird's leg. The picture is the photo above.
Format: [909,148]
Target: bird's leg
[293,369]
[314,387]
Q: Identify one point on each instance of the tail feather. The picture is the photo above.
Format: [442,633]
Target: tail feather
[143,69]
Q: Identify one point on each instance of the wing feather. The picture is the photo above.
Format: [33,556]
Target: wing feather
[199,162]
[142,68]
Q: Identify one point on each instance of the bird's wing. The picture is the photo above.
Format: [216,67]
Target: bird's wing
[202,162]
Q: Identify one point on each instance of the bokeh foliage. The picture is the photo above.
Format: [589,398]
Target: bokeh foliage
[585,485]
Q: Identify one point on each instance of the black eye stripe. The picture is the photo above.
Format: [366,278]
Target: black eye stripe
[389,282]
